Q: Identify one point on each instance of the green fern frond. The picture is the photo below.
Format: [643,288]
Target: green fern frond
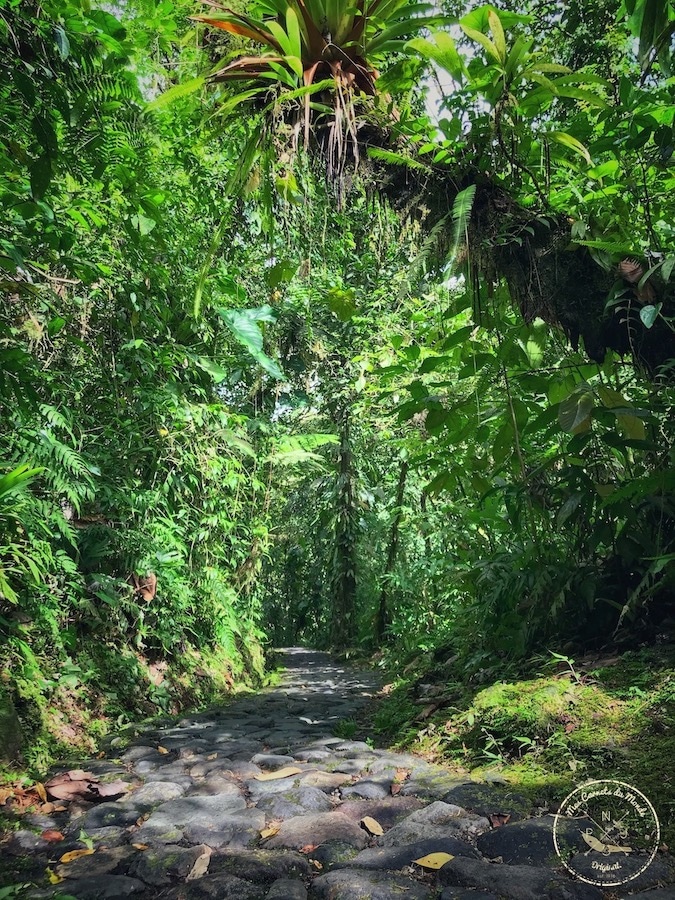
[461,216]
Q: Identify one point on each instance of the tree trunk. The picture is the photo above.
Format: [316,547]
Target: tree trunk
[382,619]
[344,558]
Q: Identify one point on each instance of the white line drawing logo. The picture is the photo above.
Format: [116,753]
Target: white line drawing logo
[606,832]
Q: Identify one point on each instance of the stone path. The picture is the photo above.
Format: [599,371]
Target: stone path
[190,829]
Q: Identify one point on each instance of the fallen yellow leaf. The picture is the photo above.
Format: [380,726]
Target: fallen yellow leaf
[140,846]
[39,789]
[280,773]
[75,854]
[434,860]
[162,750]
[53,877]
[269,832]
[372,825]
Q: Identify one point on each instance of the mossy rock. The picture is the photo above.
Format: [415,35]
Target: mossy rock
[488,799]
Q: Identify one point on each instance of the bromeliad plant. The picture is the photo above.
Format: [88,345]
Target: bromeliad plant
[329,48]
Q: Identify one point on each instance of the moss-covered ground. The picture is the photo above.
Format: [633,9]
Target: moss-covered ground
[107,689]
[554,725]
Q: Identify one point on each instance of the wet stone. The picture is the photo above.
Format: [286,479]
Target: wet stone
[312,755]
[657,894]
[38,820]
[177,818]
[287,889]
[145,766]
[387,812]
[350,766]
[162,865]
[489,799]
[206,766]
[397,857]
[240,830]
[514,882]
[153,793]
[659,873]
[435,821]
[316,829]
[455,893]
[368,789]
[95,888]
[118,813]
[108,836]
[183,780]
[216,783]
[295,802]
[344,884]
[352,747]
[25,842]
[259,789]
[97,865]
[215,887]
[430,787]
[324,781]
[261,866]
[530,842]
[333,854]
[136,753]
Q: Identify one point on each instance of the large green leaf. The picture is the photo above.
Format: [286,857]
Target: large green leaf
[243,323]
[574,413]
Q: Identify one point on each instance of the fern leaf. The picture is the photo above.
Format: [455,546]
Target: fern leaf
[461,215]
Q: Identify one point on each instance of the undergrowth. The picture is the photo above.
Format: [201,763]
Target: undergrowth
[65,708]
[545,729]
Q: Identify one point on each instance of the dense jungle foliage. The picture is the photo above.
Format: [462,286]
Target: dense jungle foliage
[350,326]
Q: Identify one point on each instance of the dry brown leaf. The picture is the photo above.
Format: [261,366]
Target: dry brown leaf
[400,775]
[52,836]
[71,790]
[5,795]
[434,860]
[200,866]
[280,773]
[395,789]
[212,756]
[101,755]
[308,848]
[39,789]
[269,832]
[75,854]
[73,785]
[372,825]
[316,864]
[162,750]
[81,775]
[112,789]
[140,846]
